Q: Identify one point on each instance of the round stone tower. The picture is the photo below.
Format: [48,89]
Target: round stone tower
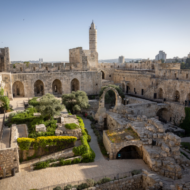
[93,38]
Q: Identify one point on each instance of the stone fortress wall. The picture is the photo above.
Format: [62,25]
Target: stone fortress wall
[9,157]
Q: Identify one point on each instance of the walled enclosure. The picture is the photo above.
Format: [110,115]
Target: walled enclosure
[9,157]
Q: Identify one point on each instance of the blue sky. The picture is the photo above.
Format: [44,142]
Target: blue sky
[134,28]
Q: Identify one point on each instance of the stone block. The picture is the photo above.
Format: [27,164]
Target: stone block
[165,148]
[40,128]
[129,137]
[37,114]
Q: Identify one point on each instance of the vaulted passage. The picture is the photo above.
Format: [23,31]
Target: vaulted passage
[38,88]
[163,115]
[18,89]
[129,152]
[74,85]
[56,87]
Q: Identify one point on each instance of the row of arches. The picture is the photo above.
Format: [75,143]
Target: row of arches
[18,87]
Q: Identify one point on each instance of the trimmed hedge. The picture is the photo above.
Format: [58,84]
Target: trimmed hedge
[71,126]
[84,150]
[25,143]
[60,141]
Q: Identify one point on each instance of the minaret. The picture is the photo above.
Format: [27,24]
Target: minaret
[93,38]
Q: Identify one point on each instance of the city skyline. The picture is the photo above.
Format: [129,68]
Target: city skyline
[48,29]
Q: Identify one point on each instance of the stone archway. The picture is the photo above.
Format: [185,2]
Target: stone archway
[160,93]
[101,112]
[130,152]
[18,89]
[176,96]
[75,85]
[38,88]
[103,74]
[57,87]
[163,115]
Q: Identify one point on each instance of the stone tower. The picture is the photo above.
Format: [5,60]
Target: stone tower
[93,38]
[4,59]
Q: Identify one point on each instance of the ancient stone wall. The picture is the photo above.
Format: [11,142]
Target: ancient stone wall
[31,88]
[9,157]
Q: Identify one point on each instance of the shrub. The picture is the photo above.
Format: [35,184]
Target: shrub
[71,126]
[68,187]
[33,102]
[57,188]
[90,182]
[84,150]
[60,141]
[135,172]
[104,180]
[89,138]
[41,165]
[5,101]
[76,161]
[80,150]
[82,186]
[24,143]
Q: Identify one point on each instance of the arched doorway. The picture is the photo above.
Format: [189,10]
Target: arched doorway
[18,89]
[74,85]
[103,74]
[57,87]
[38,88]
[129,152]
[160,93]
[176,96]
[163,115]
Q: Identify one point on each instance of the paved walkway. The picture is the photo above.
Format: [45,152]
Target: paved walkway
[94,145]
[64,174]
[18,105]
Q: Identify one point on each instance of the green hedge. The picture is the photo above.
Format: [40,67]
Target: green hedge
[34,102]
[71,126]
[84,150]
[60,141]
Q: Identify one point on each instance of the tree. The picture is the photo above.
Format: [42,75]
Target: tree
[162,60]
[49,105]
[75,101]
[110,95]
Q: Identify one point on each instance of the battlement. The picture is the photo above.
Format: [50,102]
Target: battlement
[45,67]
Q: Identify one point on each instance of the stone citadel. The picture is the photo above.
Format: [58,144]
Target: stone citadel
[155,96]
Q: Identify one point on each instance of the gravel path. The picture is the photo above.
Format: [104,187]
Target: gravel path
[94,145]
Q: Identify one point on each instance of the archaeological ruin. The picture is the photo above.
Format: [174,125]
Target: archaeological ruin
[142,125]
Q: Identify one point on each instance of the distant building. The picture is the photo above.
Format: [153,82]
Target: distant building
[188,55]
[121,59]
[161,55]
[41,60]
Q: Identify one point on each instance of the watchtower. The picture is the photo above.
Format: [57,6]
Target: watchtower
[4,59]
[92,38]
